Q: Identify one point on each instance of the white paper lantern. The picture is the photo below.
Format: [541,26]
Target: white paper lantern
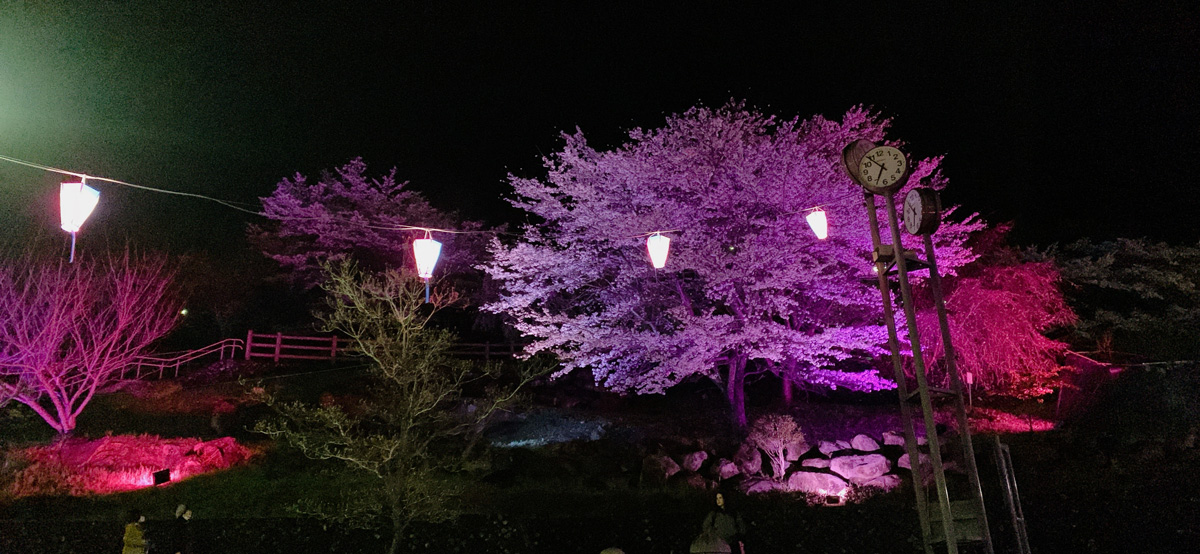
[820,225]
[658,246]
[76,202]
[426,251]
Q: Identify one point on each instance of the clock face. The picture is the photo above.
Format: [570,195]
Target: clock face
[921,211]
[883,169]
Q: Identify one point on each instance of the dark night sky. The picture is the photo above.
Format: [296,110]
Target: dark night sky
[1072,122]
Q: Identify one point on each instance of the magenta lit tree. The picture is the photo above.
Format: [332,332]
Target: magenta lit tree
[349,215]
[998,309]
[747,289]
[67,330]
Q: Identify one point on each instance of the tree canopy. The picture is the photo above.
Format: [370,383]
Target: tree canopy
[747,289]
[67,330]
[347,214]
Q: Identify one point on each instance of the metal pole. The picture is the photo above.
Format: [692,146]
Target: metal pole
[914,340]
[960,411]
[889,317]
[72,260]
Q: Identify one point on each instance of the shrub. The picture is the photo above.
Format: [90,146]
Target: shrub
[776,436]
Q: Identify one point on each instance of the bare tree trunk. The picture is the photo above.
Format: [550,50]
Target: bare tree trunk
[735,391]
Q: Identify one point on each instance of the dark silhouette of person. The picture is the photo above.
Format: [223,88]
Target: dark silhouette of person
[726,523]
[181,532]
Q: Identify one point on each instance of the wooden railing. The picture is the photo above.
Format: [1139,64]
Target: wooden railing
[159,364]
[278,346]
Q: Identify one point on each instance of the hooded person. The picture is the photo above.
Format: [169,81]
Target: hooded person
[134,541]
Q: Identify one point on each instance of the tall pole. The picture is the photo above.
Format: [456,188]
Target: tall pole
[889,318]
[960,410]
[914,339]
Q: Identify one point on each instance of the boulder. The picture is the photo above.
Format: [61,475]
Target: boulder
[657,468]
[864,443]
[828,447]
[822,463]
[906,463]
[688,480]
[724,469]
[859,469]
[886,482]
[756,485]
[794,450]
[813,482]
[893,438]
[748,459]
[693,461]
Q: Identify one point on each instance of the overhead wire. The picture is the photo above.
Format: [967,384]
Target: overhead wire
[390,227]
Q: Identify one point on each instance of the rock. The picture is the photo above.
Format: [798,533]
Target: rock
[816,462]
[756,485]
[906,463]
[886,482]
[690,480]
[864,443]
[827,447]
[693,461]
[657,468]
[859,469]
[812,482]
[892,438]
[748,459]
[724,469]
[794,450]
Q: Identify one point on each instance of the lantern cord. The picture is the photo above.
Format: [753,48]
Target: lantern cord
[225,203]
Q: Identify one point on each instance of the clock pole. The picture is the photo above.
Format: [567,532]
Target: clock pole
[882,170]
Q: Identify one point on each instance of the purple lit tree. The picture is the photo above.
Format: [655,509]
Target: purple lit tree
[345,214]
[748,289]
[67,330]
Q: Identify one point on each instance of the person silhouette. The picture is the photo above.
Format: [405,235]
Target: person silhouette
[726,524]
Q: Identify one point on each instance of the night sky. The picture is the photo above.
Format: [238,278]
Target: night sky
[1071,122]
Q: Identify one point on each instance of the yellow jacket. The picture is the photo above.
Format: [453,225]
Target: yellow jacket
[135,541]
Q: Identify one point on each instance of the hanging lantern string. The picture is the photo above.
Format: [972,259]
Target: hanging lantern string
[234,205]
[383,227]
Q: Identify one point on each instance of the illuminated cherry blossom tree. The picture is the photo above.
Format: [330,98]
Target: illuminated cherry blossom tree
[346,214]
[747,289]
[67,330]
[998,311]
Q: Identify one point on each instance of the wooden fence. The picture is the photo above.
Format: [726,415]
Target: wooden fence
[278,346]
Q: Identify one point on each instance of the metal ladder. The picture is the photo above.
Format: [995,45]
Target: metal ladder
[1012,497]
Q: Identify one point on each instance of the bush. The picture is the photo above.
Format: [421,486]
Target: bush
[777,436]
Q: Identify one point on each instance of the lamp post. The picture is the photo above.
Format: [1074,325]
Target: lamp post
[76,202]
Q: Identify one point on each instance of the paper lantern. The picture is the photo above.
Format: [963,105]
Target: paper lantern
[820,225]
[76,202]
[426,251]
[658,246]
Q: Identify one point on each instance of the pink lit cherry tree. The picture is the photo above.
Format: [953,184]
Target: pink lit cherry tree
[747,288]
[347,214]
[67,330]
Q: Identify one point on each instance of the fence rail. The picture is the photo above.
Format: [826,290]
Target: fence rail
[159,364]
[278,346]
